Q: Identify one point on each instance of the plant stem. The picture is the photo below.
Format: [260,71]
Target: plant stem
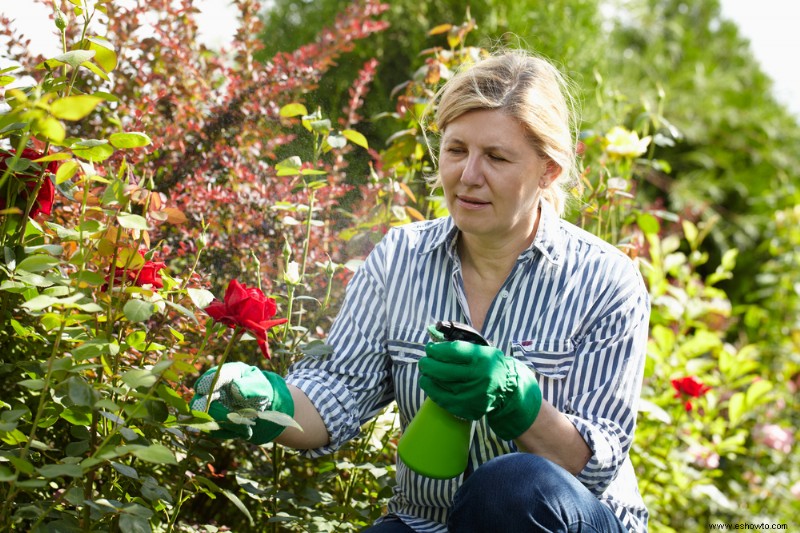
[237,332]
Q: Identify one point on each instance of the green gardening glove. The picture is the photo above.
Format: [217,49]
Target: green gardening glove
[470,381]
[242,386]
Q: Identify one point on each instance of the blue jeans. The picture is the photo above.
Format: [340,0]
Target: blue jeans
[522,492]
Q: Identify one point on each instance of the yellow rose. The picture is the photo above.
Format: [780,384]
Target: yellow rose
[624,144]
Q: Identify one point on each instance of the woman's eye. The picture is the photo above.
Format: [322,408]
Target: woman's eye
[496,157]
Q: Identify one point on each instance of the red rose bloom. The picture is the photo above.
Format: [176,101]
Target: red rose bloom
[248,308]
[148,274]
[47,192]
[691,387]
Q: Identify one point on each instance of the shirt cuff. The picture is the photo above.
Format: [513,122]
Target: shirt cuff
[607,454]
[334,408]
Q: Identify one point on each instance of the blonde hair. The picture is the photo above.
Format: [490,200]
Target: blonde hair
[529,89]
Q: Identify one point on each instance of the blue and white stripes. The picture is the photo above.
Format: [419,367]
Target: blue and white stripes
[574,309]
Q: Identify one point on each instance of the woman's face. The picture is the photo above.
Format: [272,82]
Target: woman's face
[491,175]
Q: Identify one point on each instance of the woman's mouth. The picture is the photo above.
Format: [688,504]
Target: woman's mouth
[470,202]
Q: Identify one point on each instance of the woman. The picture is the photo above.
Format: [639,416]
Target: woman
[555,399]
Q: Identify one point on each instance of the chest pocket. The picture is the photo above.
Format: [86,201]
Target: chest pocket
[551,358]
[406,347]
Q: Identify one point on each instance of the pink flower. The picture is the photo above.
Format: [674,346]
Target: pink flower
[703,456]
[775,437]
[795,490]
[248,308]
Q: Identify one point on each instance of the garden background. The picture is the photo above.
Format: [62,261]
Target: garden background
[140,173]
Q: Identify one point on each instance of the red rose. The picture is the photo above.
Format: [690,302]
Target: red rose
[148,274]
[689,386]
[248,308]
[47,192]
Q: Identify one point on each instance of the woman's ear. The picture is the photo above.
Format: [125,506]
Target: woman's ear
[551,172]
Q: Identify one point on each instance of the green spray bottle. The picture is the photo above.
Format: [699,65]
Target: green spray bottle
[436,443]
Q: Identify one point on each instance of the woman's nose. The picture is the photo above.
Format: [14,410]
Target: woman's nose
[472,173]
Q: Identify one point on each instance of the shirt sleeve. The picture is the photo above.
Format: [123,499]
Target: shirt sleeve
[610,365]
[353,383]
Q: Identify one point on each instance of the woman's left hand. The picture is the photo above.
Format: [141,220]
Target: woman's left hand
[470,381]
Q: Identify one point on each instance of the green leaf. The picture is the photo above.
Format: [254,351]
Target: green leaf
[92,150]
[139,378]
[736,408]
[155,453]
[356,138]
[757,393]
[173,399]
[282,419]
[39,303]
[138,310]
[51,471]
[648,223]
[132,139]
[80,392]
[66,171]
[56,156]
[37,263]
[74,58]
[317,348]
[74,107]
[239,505]
[51,128]
[130,221]
[289,166]
[322,126]
[33,384]
[201,297]
[154,492]
[134,524]
[125,470]
[293,110]
[79,416]
[105,56]
[97,70]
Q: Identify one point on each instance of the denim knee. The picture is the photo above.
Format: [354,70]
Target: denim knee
[515,492]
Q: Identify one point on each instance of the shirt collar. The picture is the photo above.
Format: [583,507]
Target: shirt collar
[549,239]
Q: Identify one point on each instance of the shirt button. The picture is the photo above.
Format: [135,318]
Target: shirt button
[504,294]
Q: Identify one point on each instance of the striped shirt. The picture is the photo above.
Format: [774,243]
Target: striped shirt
[573,308]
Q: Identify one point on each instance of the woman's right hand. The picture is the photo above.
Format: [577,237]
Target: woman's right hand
[241,386]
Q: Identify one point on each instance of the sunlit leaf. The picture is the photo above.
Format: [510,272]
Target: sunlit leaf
[74,107]
[356,137]
[131,221]
[139,378]
[66,171]
[105,56]
[38,263]
[293,110]
[133,139]
[93,150]
[74,58]
[202,298]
